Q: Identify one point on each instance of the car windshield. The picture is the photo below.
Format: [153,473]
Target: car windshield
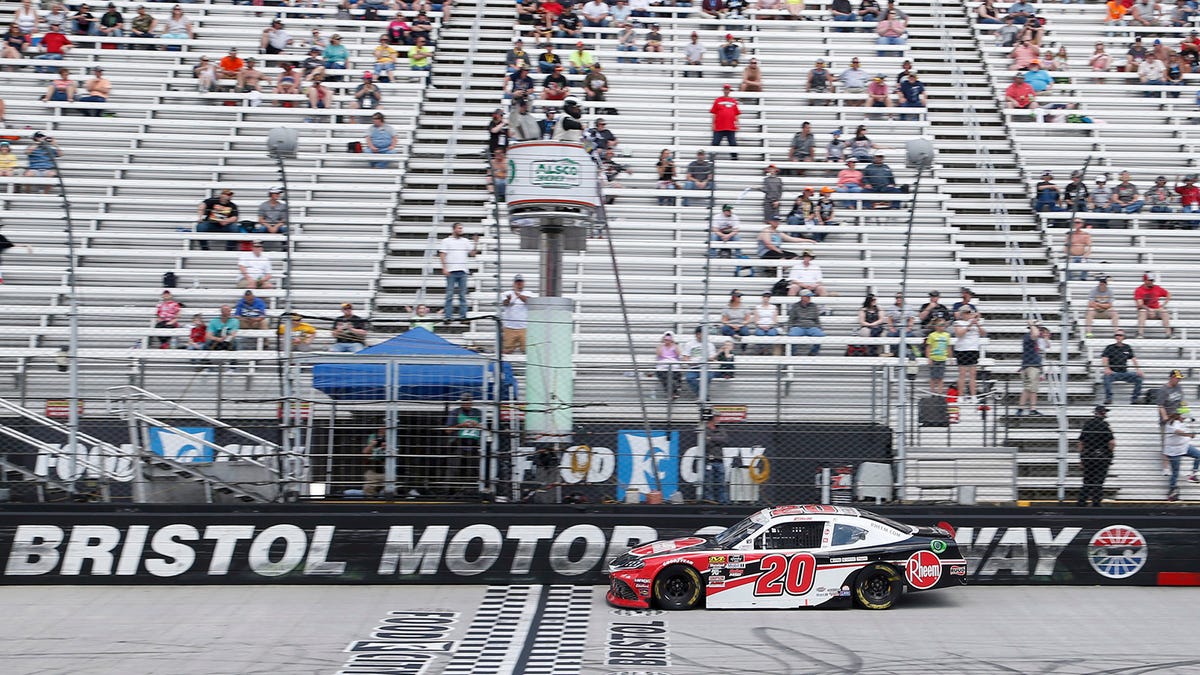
[738,532]
[907,529]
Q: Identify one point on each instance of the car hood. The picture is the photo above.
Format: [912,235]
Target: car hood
[671,546]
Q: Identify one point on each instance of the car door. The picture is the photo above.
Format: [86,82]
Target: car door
[774,568]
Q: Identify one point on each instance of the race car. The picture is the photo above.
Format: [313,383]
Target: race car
[789,556]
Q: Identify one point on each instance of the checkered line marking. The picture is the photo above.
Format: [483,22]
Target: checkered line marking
[561,635]
[496,636]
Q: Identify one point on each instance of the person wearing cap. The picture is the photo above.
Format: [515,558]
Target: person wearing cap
[555,86]
[835,150]
[806,275]
[522,126]
[549,61]
[1075,193]
[111,23]
[819,80]
[381,139]
[1019,95]
[303,333]
[54,45]
[804,213]
[272,213]
[853,80]
[350,331]
[933,310]
[627,42]
[580,60]
[231,64]
[878,177]
[725,113]
[1034,345]
[1115,360]
[1159,196]
[313,66]
[695,352]
[879,95]
[1101,198]
[251,311]
[1100,305]
[218,214]
[84,22]
[98,89]
[595,14]
[515,316]
[693,55]
[966,299]
[595,84]
[385,59]
[516,58]
[1152,72]
[1151,300]
[1047,195]
[1078,245]
[166,315]
[367,95]
[1096,446]
[254,268]
[455,253]
[825,213]
[1189,199]
[1126,198]
[725,228]
[699,175]
[772,189]
[221,332]
[730,51]
[667,360]
[736,320]
[1037,77]
[804,320]
[335,54]
[1169,397]
[142,25]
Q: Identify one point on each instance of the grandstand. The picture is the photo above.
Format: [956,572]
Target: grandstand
[369,236]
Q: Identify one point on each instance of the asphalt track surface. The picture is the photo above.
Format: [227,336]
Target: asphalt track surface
[450,630]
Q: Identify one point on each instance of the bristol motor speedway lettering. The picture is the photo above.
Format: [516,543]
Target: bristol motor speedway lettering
[1017,551]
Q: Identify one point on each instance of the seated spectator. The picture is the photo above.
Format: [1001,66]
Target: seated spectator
[221,334]
[825,208]
[1037,78]
[1176,69]
[595,14]
[986,12]
[1048,194]
[385,59]
[627,42]
[1189,196]
[1019,95]
[667,365]
[420,318]
[804,212]
[892,30]
[98,89]
[367,95]
[621,13]
[770,240]
[251,311]
[198,334]
[666,176]
[335,55]
[303,334]
[420,57]
[854,81]
[1033,31]
[179,27]
[912,94]
[218,214]
[54,46]
[766,317]
[841,10]
[142,26]
[569,26]
[725,228]
[1126,196]
[752,79]
[879,95]
[250,77]
[556,87]
[518,86]
[1146,13]
[1115,16]
[319,96]
[767,9]
[84,22]
[1006,34]
[725,357]
[397,31]
[806,276]
[878,177]
[272,214]
[850,179]
[254,268]
[696,352]
[288,82]
[15,43]
[1135,55]
[819,81]
[1058,61]
[639,8]
[61,89]
[1100,60]
[1182,14]
[868,10]
[804,320]
[231,64]
[350,330]
[422,27]
[1021,11]
[699,175]
[730,51]
[166,315]
[693,55]
[8,159]
[736,321]
[580,60]
[713,8]
[1152,72]
[26,18]
[1151,300]
[595,84]
[516,58]
[1101,196]
[206,74]
[313,66]
[381,139]
[1022,55]
[871,322]
[933,310]
[56,17]
[549,61]
[1159,196]
[1100,305]
[654,39]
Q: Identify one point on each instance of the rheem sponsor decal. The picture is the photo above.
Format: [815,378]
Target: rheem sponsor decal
[923,570]
[1117,551]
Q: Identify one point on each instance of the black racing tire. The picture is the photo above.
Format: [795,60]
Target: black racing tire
[678,587]
[877,586]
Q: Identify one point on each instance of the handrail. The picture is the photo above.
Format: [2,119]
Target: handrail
[129,391]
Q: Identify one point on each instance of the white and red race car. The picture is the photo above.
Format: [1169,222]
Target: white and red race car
[789,556]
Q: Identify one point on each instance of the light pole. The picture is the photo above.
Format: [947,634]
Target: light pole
[281,145]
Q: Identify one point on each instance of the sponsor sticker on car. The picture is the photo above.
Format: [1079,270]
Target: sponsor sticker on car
[923,570]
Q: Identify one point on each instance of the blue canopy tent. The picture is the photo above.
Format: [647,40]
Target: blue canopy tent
[437,370]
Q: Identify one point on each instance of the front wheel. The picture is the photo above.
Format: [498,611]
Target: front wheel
[678,587]
[877,586]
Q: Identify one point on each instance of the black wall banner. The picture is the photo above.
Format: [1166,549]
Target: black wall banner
[524,544]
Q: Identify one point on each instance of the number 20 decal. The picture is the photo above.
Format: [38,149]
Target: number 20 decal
[779,573]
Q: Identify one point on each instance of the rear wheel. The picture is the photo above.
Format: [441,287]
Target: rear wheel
[877,586]
[678,587]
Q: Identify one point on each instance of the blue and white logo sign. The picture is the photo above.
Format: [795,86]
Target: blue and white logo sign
[1117,551]
[638,457]
[167,443]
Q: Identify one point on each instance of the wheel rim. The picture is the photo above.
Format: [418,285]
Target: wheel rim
[677,587]
[876,588]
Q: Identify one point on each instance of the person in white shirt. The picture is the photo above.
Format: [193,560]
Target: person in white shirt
[255,268]
[806,276]
[595,14]
[968,335]
[455,253]
[725,228]
[515,316]
[693,53]
[1177,442]
[696,351]
[766,316]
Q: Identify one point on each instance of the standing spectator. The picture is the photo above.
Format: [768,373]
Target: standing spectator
[725,228]
[515,316]
[1034,345]
[376,453]
[221,334]
[766,317]
[879,178]
[772,189]
[735,319]
[804,320]
[1170,397]
[166,315]
[464,425]
[806,276]
[696,352]
[142,26]
[98,89]
[272,214]
[1096,446]
[522,126]
[933,310]
[381,139]
[254,268]
[1151,300]
[1100,304]
[1115,359]
[699,175]
[568,127]
[667,363]
[752,78]
[770,239]
[803,146]
[693,54]
[251,311]
[715,487]
[55,44]
[1078,245]
[218,214]
[819,81]
[497,131]
[730,52]
[455,254]
[725,114]
[548,123]
[937,350]
[968,332]
[349,331]
[1177,442]
[854,81]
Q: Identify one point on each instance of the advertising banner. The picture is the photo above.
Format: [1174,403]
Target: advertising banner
[551,173]
[525,544]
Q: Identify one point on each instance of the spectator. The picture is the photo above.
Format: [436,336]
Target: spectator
[84,22]
[854,81]
[1115,15]
[319,96]
[397,32]
[1189,198]
[1115,359]
[549,62]
[166,315]
[696,352]
[804,320]
[1096,444]
[621,13]
[313,65]
[1135,55]
[555,86]
[231,64]
[1126,196]
[804,212]
[861,147]
[1047,194]
[272,213]
[595,14]
[699,175]
[522,126]
[825,208]
[1152,72]
[1176,69]
[795,9]
[871,322]
[336,56]
[1021,11]
[735,319]
[62,89]
[1022,55]
[303,333]
[868,10]
[1151,300]
[1182,14]
[420,318]
[248,81]
[455,254]
[517,58]
[55,44]
[803,146]
[251,311]
[806,276]
[580,61]
[569,25]
[376,453]
[1100,304]
[841,10]
[725,114]
[515,316]
[568,127]
[1100,61]
[693,54]
[198,334]
[968,332]
[1019,95]
[381,139]
[15,43]
[667,364]
[715,488]
[1033,31]
[420,56]
[752,79]
[1146,13]
[498,172]
[1176,444]
[879,95]
[8,159]
[1006,34]
[349,331]
[595,84]
[902,313]
[56,17]
[422,27]
[933,310]
[385,59]
[766,317]
[912,95]
[218,214]
[730,52]
[1075,194]
[937,350]
[142,26]
[892,30]
[98,89]
[1059,62]
[966,299]
[986,12]
[221,334]
[26,18]
[819,81]
[654,40]
[627,42]
[770,239]
[1102,195]
[1034,345]
[1078,245]
[850,179]
[772,189]
[179,27]
[1159,196]
[254,268]
[639,8]
[367,95]
[725,228]
[666,176]
[879,178]
[1037,78]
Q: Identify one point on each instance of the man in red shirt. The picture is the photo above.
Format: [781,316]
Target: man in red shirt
[54,46]
[725,119]
[1189,198]
[1151,302]
[1020,95]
